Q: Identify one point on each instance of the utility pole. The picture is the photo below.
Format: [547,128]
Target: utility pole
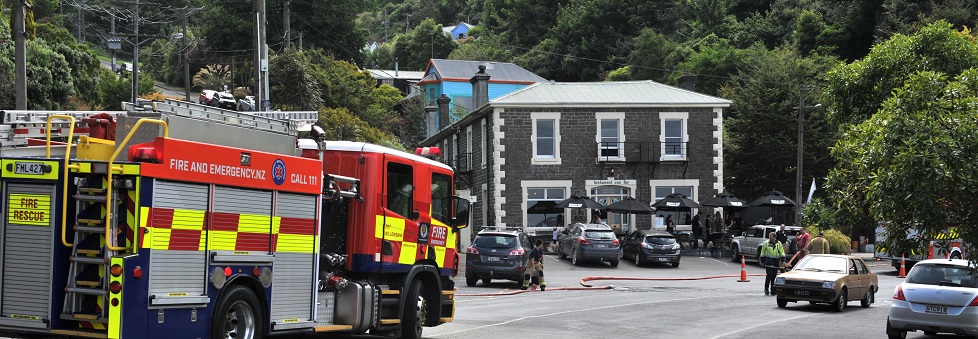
[801,155]
[81,23]
[288,32]
[186,57]
[112,26]
[260,63]
[135,53]
[20,53]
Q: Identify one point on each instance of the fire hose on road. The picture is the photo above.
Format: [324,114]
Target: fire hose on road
[587,287]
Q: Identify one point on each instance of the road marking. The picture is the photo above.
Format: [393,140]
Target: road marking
[764,324]
[566,312]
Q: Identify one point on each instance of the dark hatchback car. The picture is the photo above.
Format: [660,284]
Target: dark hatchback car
[589,242]
[497,253]
[650,246]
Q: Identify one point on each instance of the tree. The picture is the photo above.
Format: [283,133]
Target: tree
[914,164]
[213,77]
[482,46]
[425,42]
[653,56]
[292,84]
[854,92]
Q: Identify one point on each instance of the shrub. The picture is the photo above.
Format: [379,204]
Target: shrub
[838,243]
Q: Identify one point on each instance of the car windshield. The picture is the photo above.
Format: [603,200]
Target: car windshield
[822,264]
[599,235]
[495,241]
[657,240]
[943,275]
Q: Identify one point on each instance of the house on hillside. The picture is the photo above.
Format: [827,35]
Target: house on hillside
[406,81]
[518,154]
[450,80]
[457,32]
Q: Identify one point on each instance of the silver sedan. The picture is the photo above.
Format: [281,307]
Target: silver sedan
[938,296]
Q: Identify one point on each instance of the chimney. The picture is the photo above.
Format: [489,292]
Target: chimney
[443,119]
[688,81]
[432,112]
[480,88]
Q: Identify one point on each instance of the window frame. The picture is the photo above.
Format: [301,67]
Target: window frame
[537,118]
[598,137]
[665,117]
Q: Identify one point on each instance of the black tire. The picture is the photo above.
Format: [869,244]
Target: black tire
[734,253]
[470,281]
[560,252]
[414,312]
[238,315]
[486,281]
[675,264]
[894,333]
[782,302]
[812,303]
[614,263]
[840,303]
[930,333]
[867,300]
[638,259]
[575,259]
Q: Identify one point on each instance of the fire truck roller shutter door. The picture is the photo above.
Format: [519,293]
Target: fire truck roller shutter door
[27,248]
[294,238]
[177,232]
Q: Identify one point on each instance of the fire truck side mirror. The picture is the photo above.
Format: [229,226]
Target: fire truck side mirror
[461,219]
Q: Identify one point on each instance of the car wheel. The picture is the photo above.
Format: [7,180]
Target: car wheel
[894,333]
[734,253]
[485,281]
[840,304]
[561,251]
[614,263]
[867,299]
[675,264]
[574,259]
[638,259]
[471,281]
[782,302]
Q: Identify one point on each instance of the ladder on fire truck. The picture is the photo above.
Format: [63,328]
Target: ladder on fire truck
[104,224]
[22,133]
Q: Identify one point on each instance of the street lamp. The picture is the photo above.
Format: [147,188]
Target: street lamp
[801,157]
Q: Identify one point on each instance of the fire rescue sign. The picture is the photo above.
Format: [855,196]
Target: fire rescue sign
[29,209]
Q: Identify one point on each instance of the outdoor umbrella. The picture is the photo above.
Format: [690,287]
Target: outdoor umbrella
[777,202]
[629,205]
[724,199]
[676,201]
[580,201]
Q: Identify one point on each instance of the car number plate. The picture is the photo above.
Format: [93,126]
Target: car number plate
[494,259]
[600,245]
[28,168]
[663,259]
[797,292]
[936,309]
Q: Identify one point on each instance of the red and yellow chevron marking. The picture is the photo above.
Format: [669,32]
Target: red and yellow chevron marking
[91,325]
[179,229]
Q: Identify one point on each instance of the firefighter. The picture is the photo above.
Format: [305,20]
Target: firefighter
[534,268]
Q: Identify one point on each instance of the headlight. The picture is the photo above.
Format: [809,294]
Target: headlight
[675,246]
[828,284]
[779,281]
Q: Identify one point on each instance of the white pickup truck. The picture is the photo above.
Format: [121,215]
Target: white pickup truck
[748,244]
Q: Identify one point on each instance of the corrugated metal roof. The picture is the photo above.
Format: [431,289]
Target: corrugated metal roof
[620,93]
[498,71]
[392,74]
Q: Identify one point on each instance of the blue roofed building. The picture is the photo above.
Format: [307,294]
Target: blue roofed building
[457,32]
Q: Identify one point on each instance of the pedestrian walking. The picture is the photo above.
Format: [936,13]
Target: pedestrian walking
[554,242]
[819,245]
[697,229]
[801,241]
[533,271]
[782,236]
[772,258]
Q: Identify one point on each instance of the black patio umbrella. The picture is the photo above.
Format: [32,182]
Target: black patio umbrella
[675,201]
[629,205]
[773,198]
[580,201]
[724,199]
[545,207]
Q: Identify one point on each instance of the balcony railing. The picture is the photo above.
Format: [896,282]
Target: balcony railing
[463,162]
[642,151]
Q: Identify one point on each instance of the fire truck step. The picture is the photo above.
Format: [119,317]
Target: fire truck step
[91,190]
[94,318]
[93,198]
[390,321]
[88,260]
[92,252]
[85,290]
[88,283]
[90,221]
[89,229]
[81,333]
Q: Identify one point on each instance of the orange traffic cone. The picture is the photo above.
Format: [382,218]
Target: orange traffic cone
[903,267]
[743,271]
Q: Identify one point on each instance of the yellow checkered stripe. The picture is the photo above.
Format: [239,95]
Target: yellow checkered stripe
[392,229]
[184,229]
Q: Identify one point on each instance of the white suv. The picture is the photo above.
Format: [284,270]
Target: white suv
[748,244]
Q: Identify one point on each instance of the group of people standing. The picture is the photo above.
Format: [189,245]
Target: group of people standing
[704,225]
[773,256]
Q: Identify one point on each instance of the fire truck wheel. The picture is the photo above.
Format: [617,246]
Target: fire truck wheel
[237,315]
[414,312]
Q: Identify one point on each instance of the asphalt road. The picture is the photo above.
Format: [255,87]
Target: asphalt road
[701,308]
[161,87]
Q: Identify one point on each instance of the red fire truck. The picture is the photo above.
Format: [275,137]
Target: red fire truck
[155,236]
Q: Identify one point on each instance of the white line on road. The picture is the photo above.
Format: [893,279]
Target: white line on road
[764,324]
[566,312]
